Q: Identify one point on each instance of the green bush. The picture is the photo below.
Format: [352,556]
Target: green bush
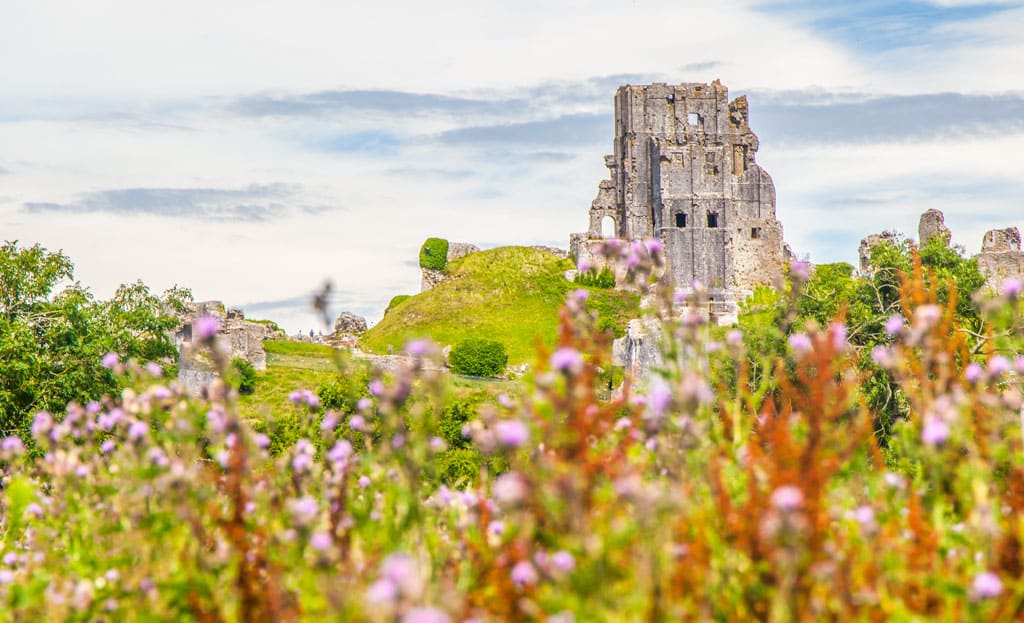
[478,357]
[594,279]
[245,376]
[344,391]
[460,467]
[395,300]
[434,254]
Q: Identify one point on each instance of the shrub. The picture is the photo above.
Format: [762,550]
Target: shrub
[592,278]
[478,357]
[434,254]
[460,466]
[245,376]
[344,391]
[395,300]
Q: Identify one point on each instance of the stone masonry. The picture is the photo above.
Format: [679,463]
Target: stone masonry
[243,339]
[430,277]
[1000,257]
[684,171]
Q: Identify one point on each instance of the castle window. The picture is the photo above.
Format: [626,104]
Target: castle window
[607,227]
[694,120]
[712,219]
[755,233]
[680,219]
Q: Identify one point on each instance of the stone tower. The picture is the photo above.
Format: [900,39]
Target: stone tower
[684,171]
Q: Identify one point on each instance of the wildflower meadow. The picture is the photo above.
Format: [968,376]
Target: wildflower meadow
[788,469]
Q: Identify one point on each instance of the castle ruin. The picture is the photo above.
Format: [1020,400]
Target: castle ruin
[684,171]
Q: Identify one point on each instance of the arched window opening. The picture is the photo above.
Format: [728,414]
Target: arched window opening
[608,227]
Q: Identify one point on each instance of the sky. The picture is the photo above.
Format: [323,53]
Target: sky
[251,150]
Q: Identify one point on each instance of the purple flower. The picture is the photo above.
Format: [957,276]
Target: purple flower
[580,295]
[357,422]
[261,441]
[999,365]
[800,270]
[567,360]
[376,387]
[935,431]
[1011,287]
[206,327]
[320,541]
[583,266]
[12,445]
[633,260]
[800,343]
[382,591]
[137,430]
[304,510]
[496,527]
[658,399]
[894,480]
[987,584]
[839,333]
[734,338]
[511,433]
[865,516]
[894,324]
[563,561]
[972,373]
[364,482]
[154,369]
[425,615]
[927,315]
[301,463]
[365,404]
[417,348]
[41,424]
[653,246]
[6,576]
[882,356]
[340,453]
[524,574]
[787,498]
[158,457]
[510,488]
[107,446]
[109,361]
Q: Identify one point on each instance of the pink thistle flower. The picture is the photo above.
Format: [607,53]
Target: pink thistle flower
[973,373]
[261,441]
[563,561]
[154,369]
[376,387]
[787,498]
[653,246]
[935,432]
[999,365]
[304,510]
[417,348]
[567,360]
[340,453]
[206,327]
[320,541]
[382,591]
[987,585]
[800,343]
[510,488]
[894,324]
[927,315]
[357,423]
[524,574]
[1011,287]
[734,338]
[800,270]
[363,482]
[425,615]
[511,433]
[365,404]
[109,361]
[137,431]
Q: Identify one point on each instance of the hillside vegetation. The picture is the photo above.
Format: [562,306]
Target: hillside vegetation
[509,294]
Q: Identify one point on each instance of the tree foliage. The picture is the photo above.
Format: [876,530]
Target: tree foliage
[478,357]
[434,254]
[53,338]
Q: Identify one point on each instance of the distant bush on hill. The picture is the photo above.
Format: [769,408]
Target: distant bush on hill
[246,378]
[434,254]
[478,357]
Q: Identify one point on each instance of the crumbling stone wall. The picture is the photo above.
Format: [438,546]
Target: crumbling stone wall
[1001,256]
[429,278]
[931,225]
[241,338]
[684,170]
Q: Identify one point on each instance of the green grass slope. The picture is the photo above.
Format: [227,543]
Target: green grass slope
[508,294]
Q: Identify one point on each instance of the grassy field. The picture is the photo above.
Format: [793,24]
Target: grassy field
[508,294]
[290,366]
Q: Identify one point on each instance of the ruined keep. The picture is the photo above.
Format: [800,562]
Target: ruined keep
[684,171]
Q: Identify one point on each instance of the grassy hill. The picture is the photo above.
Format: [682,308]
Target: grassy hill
[509,294]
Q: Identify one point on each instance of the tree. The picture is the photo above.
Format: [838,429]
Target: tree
[52,342]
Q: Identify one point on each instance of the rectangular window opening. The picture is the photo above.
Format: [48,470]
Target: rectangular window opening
[712,219]
[694,119]
[755,233]
[680,219]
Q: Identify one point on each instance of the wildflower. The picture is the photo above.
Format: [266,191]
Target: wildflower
[417,348]
[41,424]
[987,585]
[787,498]
[340,453]
[365,404]
[653,246]
[511,433]
[301,463]
[437,444]
[376,387]
[34,510]
[401,570]
[320,541]
[381,592]
[510,488]
[157,457]
[357,423]
[865,516]
[109,361]
[154,369]
[329,422]
[524,574]
[506,401]
[882,356]
[1011,287]
[935,431]
[894,480]
[206,327]
[425,615]
[580,295]
[658,399]
[364,482]
[261,441]
[137,430]
[496,527]
[839,335]
[894,324]
[563,561]
[304,510]
[567,360]
[972,373]
[304,397]
[800,270]
[927,315]
[734,338]
[623,423]
[800,343]
[12,445]
[583,266]
[6,576]
[107,446]
[999,365]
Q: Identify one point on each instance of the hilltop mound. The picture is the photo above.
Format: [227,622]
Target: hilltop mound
[508,294]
